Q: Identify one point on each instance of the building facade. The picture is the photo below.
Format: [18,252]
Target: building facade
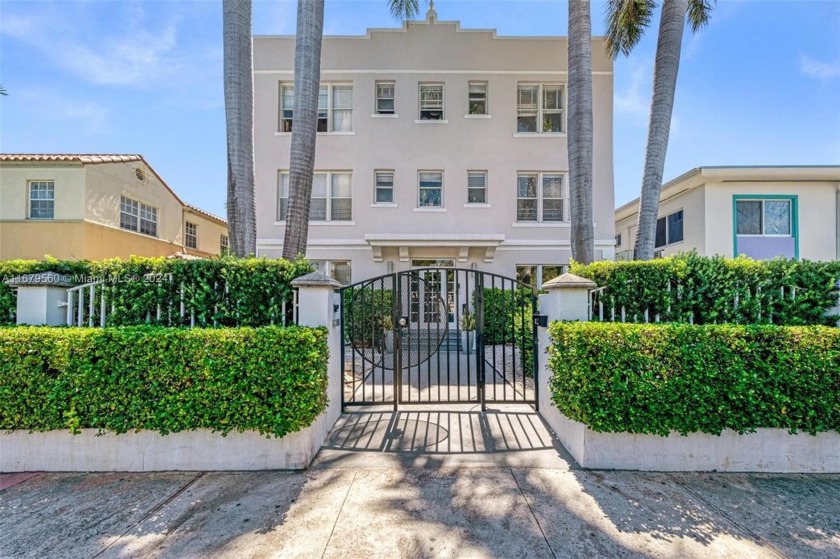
[97,206]
[436,146]
[760,212]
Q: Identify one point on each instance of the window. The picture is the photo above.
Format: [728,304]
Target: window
[385,98]
[137,216]
[430,189]
[669,229]
[191,235]
[539,108]
[431,101]
[539,197]
[764,217]
[338,270]
[478,98]
[41,199]
[384,188]
[331,197]
[224,244]
[477,187]
[335,107]
[534,274]
[618,240]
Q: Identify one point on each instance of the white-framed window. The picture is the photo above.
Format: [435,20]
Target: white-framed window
[385,98]
[538,274]
[339,270]
[476,187]
[669,229]
[137,216]
[335,107]
[384,187]
[41,199]
[191,235]
[430,189]
[224,244]
[431,101]
[540,197]
[331,196]
[540,108]
[763,217]
[477,98]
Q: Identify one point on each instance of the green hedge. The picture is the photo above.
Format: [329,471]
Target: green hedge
[272,380]
[705,289]
[656,379]
[219,292]
[508,318]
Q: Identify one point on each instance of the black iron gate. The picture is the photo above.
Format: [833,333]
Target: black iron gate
[439,335]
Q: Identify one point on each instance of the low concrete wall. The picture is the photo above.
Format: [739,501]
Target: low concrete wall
[147,451]
[766,450]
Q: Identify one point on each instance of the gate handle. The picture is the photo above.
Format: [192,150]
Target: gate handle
[402,321]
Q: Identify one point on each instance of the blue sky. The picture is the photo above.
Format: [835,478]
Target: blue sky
[759,85]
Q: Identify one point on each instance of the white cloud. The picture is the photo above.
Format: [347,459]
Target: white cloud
[49,106]
[126,49]
[818,69]
[634,100]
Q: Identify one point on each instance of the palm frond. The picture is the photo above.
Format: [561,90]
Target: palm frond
[403,9]
[626,21]
[699,12]
[3,90]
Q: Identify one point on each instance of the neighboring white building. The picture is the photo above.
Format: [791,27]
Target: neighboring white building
[437,145]
[758,211]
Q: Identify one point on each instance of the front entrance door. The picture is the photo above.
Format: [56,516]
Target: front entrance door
[436,335]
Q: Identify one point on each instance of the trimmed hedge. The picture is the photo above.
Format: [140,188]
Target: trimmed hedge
[224,291]
[655,379]
[717,289]
[272,380]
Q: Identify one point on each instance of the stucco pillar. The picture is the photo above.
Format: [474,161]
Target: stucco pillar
[39,297]
[318,306]
[567,298]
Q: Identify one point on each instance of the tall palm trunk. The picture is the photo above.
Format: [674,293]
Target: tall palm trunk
[665,72]
[239,120]
[580,131]
[310,27]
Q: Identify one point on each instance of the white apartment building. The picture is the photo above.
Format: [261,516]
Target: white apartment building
[436,146]
[758,211]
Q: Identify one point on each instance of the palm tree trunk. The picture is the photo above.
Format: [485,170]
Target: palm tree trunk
[239,120]
[665,72]
[580,131]
[310,27]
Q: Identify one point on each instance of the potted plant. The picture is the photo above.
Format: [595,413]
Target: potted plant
[468,330]
[388,327]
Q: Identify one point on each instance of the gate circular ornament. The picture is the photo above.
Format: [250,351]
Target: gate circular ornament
[412,300]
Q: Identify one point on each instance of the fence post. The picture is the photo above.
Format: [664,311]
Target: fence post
[41,298]
[317,307]
[567,298]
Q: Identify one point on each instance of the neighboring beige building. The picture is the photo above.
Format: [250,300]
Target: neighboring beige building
[97,206]
[437,146]
[759,211]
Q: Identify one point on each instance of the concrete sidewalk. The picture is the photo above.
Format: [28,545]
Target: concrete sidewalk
[423,483]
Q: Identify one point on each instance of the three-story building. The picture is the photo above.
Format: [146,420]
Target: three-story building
[436,146]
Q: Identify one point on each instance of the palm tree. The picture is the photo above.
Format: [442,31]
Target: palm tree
[626,21]
[310,30]
[580,131]
[404,9]
[3,91]
[239,120]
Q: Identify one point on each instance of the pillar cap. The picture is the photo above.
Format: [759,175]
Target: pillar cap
[315,279]
[45,279]
[569,281]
